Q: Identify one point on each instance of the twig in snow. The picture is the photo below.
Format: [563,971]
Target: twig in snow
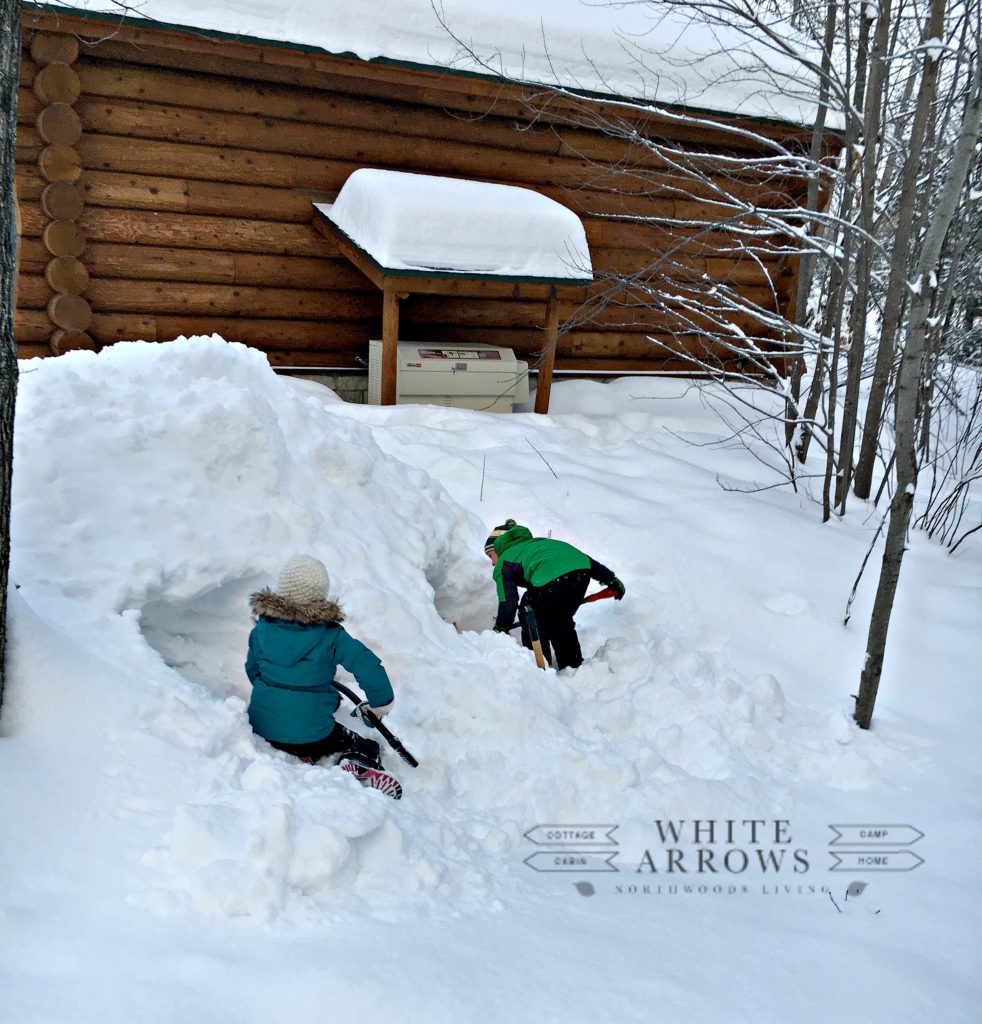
[862,568]
[541,456]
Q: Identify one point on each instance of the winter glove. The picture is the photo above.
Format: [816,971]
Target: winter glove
[502,629]
[618,588]
[361,711]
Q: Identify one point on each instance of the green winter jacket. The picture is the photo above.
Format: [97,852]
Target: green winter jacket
[294,652]
[542,559]
[527,561]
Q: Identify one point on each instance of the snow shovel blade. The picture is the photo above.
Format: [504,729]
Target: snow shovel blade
[600,595]
[393,741]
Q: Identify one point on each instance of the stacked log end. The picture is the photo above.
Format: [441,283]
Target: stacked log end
[57,86]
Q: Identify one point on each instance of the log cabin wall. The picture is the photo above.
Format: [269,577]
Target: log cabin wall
[165,183]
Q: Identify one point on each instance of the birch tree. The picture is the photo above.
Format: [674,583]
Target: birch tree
[923,287]
[9,75]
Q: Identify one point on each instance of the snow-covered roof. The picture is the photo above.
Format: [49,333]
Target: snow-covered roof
[615,49]
[427,224]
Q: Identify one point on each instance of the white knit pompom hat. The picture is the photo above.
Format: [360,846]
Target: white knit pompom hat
[303,580]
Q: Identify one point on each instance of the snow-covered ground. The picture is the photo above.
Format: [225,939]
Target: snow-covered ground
[161,864]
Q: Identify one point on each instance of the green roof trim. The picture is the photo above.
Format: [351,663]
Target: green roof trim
[217,34]
[450,275]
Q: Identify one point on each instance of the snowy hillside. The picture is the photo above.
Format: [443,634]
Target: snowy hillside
[162,864]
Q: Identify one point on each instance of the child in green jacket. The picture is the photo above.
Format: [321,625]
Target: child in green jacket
[555,576]
[295,648]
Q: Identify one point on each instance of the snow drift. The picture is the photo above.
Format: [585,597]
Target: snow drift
[157,485]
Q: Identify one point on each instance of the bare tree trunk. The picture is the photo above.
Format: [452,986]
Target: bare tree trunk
[895,300]
[9,73]
[807,261]
[873,112]
[908,388]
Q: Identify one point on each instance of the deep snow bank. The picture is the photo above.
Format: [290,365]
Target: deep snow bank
[155,486]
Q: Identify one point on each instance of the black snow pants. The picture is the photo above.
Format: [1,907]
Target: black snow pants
[554,605]
[340,741]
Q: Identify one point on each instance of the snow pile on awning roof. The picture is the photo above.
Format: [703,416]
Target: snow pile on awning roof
[429,224]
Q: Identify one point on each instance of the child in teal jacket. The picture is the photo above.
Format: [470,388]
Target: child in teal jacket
[295,648]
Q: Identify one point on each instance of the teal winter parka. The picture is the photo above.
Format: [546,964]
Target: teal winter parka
[294,653]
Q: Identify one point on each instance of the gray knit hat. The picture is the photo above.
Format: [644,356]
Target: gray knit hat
[303,580]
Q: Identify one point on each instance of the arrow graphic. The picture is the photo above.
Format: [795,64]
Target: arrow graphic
[569,860]
[875,835]
[875,860]
[582,836]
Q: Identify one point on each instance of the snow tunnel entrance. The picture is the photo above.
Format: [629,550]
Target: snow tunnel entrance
[204,637]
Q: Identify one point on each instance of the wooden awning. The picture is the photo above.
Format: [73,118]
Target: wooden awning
[397,283]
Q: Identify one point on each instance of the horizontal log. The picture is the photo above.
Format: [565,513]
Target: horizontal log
[162,297]
[613,234]
[34,292]
[115,153]
[606,367]
[299,272]
[28,105]
[221,198]
[175,230]
[315,359]
[28,145]
[134,191]
[31,326]
[677,262]
[155,263]
[147,262]
[32,257]
[266,334]
[28,182]
[32,350]
[154,192]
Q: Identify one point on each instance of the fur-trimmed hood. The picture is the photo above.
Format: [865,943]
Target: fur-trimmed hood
[267,602]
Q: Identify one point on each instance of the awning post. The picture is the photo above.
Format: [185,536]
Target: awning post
[390,345]
[544,384]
